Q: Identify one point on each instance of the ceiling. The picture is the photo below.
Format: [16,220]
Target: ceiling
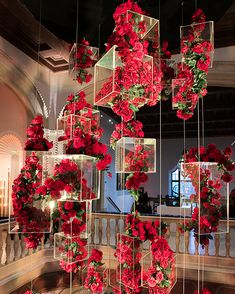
[95,17]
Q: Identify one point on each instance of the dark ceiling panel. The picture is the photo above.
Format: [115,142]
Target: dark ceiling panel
[60,16]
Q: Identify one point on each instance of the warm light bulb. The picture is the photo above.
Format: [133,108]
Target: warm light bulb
[52,205]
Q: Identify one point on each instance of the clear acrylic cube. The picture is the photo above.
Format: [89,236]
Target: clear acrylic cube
[202,187]
[82,57]
[135,155]
[200,38]
[95,278]
[158,276]
[79,173]
[146,27]
[69,125]
[124,264]
[108,85]
[70,249]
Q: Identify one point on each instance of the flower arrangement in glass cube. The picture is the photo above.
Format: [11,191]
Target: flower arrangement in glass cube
[123,86]
[209,172]
[128,254]
[159,268]
[82,142]
[75,217]
[82,58]
[71,177]
[72,251]
[196,48]
[135,155]
[95,274]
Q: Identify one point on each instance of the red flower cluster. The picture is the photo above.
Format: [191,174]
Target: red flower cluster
[73,250]
[128,255]
[212,154]
[35,134]
[96,276]
[196,60]
[134,181]
[76,103]
[69,178]
[139,160]
[85,141]
[137,81]
[83,58]
[132,129]
[144,230]
[31,221]
[160,276]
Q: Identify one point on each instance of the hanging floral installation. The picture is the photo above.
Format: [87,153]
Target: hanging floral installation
[35,135]
[209,169]
[139,72]
[191,80]
[82,58]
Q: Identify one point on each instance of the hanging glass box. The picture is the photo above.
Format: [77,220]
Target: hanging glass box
[201,184]
[76,217]
[177,90]
[70,249]
[94,116]
[198,39]
[124,265]
[79,174]
[71,124]
[135,155]
[159,274]
[146,27]
[113,78]
[81,61]
[95,278]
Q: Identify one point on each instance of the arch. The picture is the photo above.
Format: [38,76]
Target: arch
[20,83]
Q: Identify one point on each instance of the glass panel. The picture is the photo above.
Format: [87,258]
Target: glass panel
[135,154]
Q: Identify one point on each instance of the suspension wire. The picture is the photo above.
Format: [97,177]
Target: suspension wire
[199,197]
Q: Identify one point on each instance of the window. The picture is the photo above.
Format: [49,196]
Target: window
[176,180]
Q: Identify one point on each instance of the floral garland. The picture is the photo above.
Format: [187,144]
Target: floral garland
[209,190]
[82,61]
[28,217]
[194,68]
[35,133]
[32,221]
[96,277]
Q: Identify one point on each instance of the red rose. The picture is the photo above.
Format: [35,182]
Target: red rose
[68,205]
[227,177]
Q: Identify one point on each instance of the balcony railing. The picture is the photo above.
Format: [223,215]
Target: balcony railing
[219,255]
